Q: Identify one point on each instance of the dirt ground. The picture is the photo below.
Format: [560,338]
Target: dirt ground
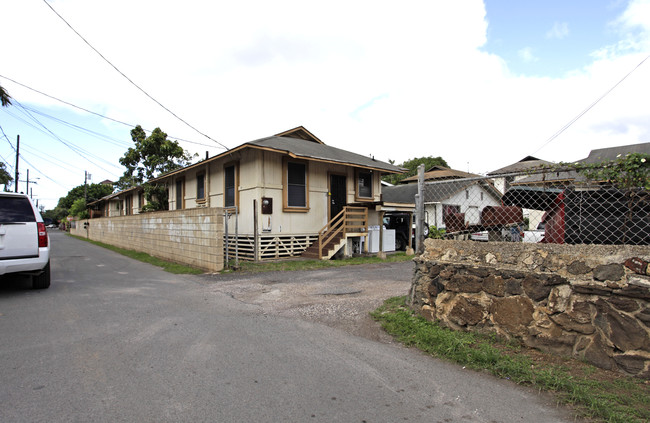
[338,297]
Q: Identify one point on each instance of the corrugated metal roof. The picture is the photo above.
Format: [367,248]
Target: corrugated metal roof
[435,192]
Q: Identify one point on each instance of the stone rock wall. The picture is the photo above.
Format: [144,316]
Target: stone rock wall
[577,300]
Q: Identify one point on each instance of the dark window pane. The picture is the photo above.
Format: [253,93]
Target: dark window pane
[296,197]
[296,181]
[16,210]
[229,198]
[200,187]
[179,194]
[365,184]
[296,174]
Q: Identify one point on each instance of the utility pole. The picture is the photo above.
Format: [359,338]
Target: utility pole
[17,155]
[27,183]
[87,177]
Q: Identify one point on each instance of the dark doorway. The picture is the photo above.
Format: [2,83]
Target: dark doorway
[338,193]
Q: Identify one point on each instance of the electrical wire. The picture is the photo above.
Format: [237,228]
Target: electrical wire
[71,146]
[95,134]
[65,166]
[7,138]
[572,121]
[26,161]
[129,79]
[130,125]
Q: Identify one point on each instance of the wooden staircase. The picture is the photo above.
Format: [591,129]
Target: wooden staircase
[351,221]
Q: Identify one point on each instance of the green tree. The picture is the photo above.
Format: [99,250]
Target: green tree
[57,214]
[150,157]
[5,98]
[78,209]
[5,177]
[94,192]
[412,167]
[625,172]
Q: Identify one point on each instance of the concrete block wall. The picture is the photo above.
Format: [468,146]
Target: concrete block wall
[191,236]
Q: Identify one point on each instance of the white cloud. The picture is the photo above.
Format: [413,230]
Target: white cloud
[395,81]
[527,56]
[560,30]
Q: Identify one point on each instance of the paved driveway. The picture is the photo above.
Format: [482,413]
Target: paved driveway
[338,297]
[116,340]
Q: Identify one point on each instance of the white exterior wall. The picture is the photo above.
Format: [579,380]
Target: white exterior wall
[471,206]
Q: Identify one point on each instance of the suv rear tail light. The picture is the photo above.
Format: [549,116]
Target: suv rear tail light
[42,234]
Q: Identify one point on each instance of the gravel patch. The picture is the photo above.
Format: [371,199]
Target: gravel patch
[339,297]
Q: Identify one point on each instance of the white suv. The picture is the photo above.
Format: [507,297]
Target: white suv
[24,242]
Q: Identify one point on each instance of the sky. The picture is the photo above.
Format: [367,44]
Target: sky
[481,84]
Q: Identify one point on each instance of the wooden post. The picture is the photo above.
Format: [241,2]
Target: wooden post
[365,244]
[419,205]
[381,253]
[237,237]
[226,236]
[256,241]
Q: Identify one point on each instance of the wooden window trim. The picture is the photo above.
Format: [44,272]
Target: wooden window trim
[285,186]
[236,165]
[182,182]
[357,196]
[203,199]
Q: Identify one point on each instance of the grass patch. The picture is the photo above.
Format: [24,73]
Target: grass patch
[305,264]
[179,269]
[594,393]
[251,267]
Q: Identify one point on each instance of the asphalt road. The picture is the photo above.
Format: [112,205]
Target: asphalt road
[116,340]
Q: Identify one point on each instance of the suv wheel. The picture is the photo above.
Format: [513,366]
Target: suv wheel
[42,281]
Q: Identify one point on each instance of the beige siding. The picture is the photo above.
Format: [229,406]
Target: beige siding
[261,176]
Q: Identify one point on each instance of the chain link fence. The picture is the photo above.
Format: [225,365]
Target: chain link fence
[560,206]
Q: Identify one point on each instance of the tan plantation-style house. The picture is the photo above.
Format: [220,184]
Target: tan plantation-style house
[283,193]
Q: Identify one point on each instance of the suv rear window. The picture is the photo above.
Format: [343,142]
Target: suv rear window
[16,210]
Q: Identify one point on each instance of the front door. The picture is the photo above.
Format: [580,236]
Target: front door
[338,193]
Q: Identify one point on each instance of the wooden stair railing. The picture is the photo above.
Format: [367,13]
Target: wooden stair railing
[348,220]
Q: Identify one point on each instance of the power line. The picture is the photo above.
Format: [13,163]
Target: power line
[26,161]
[43,129]
[130,125]
[572,121]
[9,141]
[81,129]
[71,146]
[129,79]
[60,163]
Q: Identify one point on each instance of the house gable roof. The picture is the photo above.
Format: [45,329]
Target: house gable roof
[296,146]
[300,132]
[526,163]
[610,154]
[439,173]
[595,156]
